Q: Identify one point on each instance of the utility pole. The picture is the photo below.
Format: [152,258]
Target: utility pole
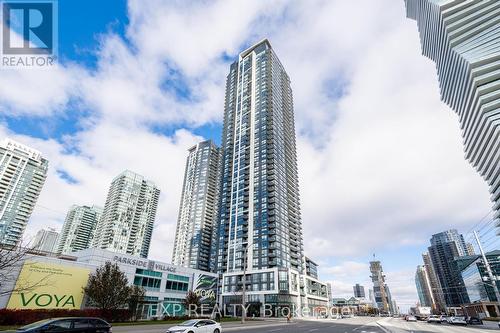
[488,267]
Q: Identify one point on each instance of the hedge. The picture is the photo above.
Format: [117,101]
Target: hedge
[24,317]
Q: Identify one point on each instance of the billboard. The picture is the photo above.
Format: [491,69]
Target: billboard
[206,288]
[43,285]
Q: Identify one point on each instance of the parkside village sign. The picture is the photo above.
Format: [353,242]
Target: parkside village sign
[148,264]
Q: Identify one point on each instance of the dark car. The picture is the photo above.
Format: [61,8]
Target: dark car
[73,325]
[474,321]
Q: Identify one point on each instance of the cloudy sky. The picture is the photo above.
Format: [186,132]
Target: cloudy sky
[139,82]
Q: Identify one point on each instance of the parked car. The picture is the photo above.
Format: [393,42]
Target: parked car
[474,321]
[411,318]
[458,320]
[68,324]
[196,326]
[434,319]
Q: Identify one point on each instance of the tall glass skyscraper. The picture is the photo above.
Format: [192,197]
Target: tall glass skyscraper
[259,225]
[437,294]
[445,247]
[22,174]
[423,285]
[259,205]
[462,38]
[78,229]
[359,291]
[126,224]
[198,208]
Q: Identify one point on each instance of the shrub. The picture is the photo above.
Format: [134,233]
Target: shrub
[24,317]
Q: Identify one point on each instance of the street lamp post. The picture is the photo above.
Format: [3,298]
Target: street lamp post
[243,279]
[492,277]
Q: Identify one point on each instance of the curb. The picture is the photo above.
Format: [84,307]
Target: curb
[383,328]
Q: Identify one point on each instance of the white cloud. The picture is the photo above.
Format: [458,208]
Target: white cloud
[380,157]
[38,92]
[104,155]
[402,287]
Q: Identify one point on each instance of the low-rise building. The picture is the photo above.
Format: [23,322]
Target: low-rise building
[479,287]
[353,305]
[270,291]
[59,280]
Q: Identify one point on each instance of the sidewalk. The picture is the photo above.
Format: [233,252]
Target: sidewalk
[400,326]
[489,325]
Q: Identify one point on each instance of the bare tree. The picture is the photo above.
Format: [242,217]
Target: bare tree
[12,258]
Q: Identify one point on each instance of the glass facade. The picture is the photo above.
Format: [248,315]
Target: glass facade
[474,284]
[126,225]
[198,209]
[477,282]
[177,283]
[255,282]
[173,306]
[22,174]
[78,229]
[259,200]
[445,247]
[149,280]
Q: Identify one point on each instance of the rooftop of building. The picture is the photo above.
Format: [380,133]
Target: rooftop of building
[245,52]
[20,148]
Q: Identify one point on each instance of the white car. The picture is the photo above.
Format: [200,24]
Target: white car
[411,318]
[196,326]
[434,319]
[457,321]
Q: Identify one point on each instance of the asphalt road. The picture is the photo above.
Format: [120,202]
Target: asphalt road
[394,325]
[352,325]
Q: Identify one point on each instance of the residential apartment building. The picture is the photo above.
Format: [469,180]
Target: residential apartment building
[439,305]
[423,285]
[359,291]
[462,39]
[126,224]
[78,229]
[311,268]
[22,174]
[45,240]
[198,208]
[259,228]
